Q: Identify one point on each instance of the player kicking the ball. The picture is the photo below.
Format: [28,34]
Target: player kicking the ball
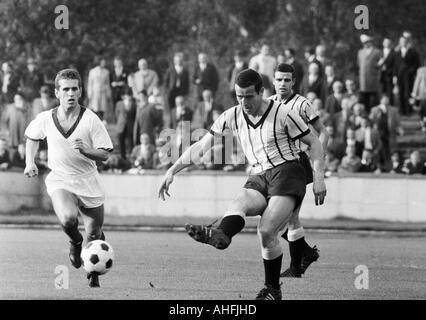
[267,131]
[76,139]
[302,255]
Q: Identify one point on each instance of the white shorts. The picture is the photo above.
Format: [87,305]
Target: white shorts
[85,187]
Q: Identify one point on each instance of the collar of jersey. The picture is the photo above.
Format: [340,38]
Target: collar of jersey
[74,126]
[251,124]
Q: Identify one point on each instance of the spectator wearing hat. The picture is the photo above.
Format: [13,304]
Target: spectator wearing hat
[369,72]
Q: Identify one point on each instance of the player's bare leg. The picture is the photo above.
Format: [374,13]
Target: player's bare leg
[93,219]
[274,219]
[248,202]
[302,255]
[65,205]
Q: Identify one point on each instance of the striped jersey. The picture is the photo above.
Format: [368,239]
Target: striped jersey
[269,142]
[303,106]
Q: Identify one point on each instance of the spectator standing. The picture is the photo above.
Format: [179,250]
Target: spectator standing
[321,58]
[149,119]
[369,72]
[17,117]
[118,81]
[407,61]
[386,64]
[311,58]
[419,94]
[205,76]
[265,61]
[31,81]
[143,79]
[176,83]
[99,90]
[330,78]
[9,83]
[125,113]
[314,82]
[238,65]
[387,121]
[341,119]
[299,73]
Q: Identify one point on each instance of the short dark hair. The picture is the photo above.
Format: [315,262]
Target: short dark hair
[144,92]
[284,67]
[68,74]
[127,91]
[249,77]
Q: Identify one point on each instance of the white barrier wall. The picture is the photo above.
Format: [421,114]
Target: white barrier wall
[384,197]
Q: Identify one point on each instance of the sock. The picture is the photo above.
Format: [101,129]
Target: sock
[285,235]
[272,271]
[73,233]
[296,252]
[231,225]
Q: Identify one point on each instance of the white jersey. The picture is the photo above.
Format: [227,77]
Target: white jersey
[303,106]
[268,143]
[62,158]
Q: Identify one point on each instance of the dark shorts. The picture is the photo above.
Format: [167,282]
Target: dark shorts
[306,163]
[287,179]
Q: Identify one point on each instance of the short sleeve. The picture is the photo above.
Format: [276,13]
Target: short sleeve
[220,125]
[297,128]
[100,136]
[36,129]
[307,112]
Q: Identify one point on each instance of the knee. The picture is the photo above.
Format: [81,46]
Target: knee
[267,236]
[68,221]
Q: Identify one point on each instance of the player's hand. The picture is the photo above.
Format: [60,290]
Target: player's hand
[31,170]
[320,190]
[78,145]
[164,187]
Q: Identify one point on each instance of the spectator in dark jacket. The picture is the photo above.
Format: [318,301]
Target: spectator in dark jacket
[125,113]
[205,76]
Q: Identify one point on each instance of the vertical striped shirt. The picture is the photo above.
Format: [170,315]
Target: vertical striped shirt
[269,142]
[303,107]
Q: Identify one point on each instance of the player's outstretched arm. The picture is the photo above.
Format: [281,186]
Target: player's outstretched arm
[191,155]
[317,156]
[322,134]
[31,148]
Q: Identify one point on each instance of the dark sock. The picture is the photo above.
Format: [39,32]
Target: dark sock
[73,233]
[231,225]
[285,235]
[296,251]
[272,271]
[99,236]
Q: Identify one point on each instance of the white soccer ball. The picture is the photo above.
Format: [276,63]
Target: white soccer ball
[97,256]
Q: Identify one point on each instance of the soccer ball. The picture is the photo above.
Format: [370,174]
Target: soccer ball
[97,256]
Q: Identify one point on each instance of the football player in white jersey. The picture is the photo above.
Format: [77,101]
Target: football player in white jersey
[302,255]
[76,139]
[267,131]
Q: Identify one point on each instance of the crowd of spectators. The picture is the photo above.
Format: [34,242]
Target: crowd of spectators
[362,115]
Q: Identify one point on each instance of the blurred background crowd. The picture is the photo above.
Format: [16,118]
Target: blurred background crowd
[375,113]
